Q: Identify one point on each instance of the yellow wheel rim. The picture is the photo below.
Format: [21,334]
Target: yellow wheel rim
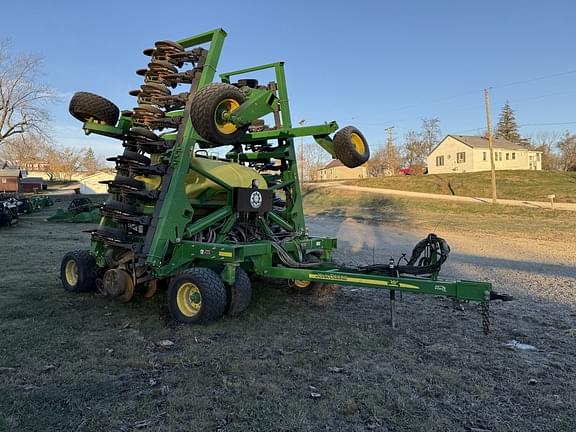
[71,272]
[302,283]
[227,106]
[189,299]
[358,143]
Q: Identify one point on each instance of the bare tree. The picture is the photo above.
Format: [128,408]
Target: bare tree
[567,146]
[377,161]
[23,97]
[23,149]
[415,149]
[430,135]
[315,157]
[547,143]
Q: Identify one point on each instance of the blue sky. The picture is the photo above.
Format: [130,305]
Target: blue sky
[370,63]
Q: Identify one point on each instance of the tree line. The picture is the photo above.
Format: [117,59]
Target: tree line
[25,118]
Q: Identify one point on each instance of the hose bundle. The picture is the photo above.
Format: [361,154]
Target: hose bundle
[420,262]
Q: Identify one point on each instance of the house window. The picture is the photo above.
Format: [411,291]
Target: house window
[513,156]
[439,160]
[507,156]
[483,156]
[538,156]
[460,157]
[3,180]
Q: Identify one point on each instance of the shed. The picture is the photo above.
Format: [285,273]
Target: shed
[32,184]
[9,179]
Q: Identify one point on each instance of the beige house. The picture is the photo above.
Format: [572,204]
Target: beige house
[336,170]
[460,153]
[90,185]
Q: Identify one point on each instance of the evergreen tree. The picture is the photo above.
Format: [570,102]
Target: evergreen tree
[507,127]
[89,162]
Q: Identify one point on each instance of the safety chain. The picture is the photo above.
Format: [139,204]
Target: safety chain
[485,311]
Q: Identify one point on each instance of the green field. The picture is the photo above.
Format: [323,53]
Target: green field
[517,185]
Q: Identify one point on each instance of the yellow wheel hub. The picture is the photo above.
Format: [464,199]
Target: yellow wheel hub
[226,107]
[358,143]
[71,272]
[302,283]
[189,299]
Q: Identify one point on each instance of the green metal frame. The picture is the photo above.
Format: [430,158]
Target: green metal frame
[168,249]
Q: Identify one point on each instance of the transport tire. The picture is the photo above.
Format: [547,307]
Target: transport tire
[85,106]
[78,271]
[350,147]
[208,106]
[305,287]
[239,294]
[196,296]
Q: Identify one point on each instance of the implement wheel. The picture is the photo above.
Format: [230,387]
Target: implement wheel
[210,106]
[350,147]
[305,287]
[78,271]
[239,293]
[196,296]
[86,106]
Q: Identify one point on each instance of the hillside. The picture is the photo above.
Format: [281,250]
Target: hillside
[517,185]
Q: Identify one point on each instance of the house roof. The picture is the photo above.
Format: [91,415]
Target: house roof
[32,180]
[10,172]
[482,142]
[333,163]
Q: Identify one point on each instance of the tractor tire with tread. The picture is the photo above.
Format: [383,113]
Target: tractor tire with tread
[239,294]
[210,296]
[85,106]
[203,113]
[78,271]
[350,147]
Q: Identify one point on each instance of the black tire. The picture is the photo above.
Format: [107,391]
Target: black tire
[206,103]
[85,106]
[350,147]
[239,294]
[212,300]
[78,271]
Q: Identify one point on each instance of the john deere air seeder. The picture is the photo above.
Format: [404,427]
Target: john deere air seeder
[205,225]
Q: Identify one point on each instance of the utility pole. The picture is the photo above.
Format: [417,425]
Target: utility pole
[301,123]
[490,143]
[389,143]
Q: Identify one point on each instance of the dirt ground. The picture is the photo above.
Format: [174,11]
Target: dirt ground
[84,363]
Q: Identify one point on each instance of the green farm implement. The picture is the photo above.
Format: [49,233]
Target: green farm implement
[204,222]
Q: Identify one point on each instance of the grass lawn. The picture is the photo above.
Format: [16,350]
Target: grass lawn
[431,215]
[325,362]
[518,185]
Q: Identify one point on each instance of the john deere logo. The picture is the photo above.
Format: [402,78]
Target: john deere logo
[256,199]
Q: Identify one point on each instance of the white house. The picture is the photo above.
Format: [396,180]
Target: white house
[460,153]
